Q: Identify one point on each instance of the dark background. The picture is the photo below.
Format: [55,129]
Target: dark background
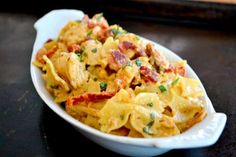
[202,33]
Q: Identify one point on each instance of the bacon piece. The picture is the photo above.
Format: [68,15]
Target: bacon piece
[125,45]
[148,75]
[159,58]
[89,97]
[74,48]
[117,60]
[43,51]
[139,52]
[178,69]
[91,24]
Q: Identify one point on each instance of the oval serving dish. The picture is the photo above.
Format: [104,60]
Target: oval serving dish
[202,134]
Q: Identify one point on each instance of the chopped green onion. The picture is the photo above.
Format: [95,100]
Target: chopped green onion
[99,16]
[175,81]
[78,21]
[162,88]
[138,62]
[150,104]
[118,30]
[129,64]
[94,50]
[79,55]
[90,32]
[103,86]
[147,130]
[161,69]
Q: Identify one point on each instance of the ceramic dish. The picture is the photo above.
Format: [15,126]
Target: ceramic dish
[202,134]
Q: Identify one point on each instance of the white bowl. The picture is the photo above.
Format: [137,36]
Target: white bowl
[202,134]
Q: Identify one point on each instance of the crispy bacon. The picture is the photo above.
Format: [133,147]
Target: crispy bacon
[74,48]
[117,60]
[43,51]
[148,75]
[139,53]
[91,24]
[178,69]
[89,97]
[125,45]
[158,57]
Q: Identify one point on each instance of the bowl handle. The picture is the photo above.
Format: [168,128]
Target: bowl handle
[202,134]
[49,26]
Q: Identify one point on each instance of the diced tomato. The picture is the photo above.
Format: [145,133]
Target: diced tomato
[177,69]
[180,70]
[89,97]
[43,51]
[168,70]
[74,48]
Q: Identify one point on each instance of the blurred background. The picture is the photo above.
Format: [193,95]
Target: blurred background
[218,13]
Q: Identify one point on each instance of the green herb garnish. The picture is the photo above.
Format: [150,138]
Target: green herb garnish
[129,64]
[138,62]
[175,81]
[161,69]
[99,16]
[147,128]
[94,50]
[79,55]
[150,104]
[118,30]
[103,86]
[162,88]
[90,33]
[78,21]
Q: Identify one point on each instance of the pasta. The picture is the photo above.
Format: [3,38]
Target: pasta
[115,82]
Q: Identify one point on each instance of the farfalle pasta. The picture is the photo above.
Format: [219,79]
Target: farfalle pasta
[118,83]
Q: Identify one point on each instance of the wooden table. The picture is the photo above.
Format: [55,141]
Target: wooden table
[29,128]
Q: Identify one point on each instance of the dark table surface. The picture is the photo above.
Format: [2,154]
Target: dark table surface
[29,128]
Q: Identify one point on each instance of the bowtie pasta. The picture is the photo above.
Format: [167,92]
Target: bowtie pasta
[114,81]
